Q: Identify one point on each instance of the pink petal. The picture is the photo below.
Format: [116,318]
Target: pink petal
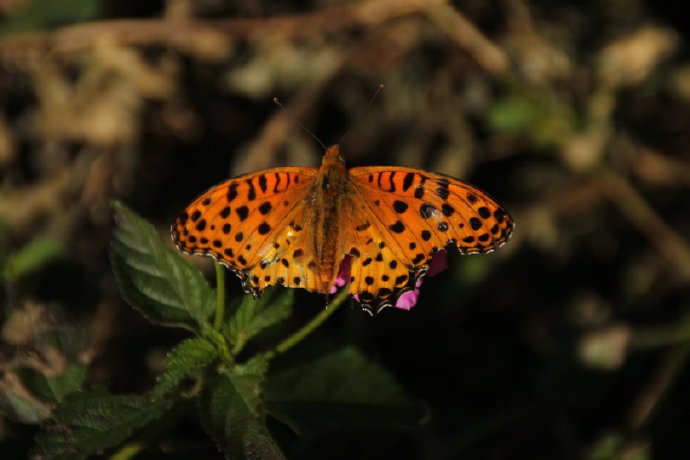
[409,299]
[439,262]
[343,274]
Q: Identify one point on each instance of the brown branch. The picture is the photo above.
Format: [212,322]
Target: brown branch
[488,55]
[186,33]
[642,215]
[261,152]
[650,398]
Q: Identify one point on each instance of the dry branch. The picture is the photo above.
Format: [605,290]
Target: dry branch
[185,33]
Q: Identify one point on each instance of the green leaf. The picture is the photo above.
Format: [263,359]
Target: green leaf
[154,279]
[37,253]
[341,391]
[545,120]
[254,315]
[54,389]
[249,378]
[187,357]
[512,114]
[236,428]
[92,421]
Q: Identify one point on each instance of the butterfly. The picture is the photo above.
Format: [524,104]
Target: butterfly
[295,227]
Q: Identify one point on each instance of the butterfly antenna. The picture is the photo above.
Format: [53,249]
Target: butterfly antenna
[299,123]
[364,111]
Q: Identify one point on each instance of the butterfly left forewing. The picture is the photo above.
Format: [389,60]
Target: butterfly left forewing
[253,224]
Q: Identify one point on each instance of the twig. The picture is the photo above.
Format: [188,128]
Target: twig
[641,214]
[308,328]
[652,395]
[262,150]
[487,54]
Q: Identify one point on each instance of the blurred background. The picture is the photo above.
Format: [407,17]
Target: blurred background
[571,342]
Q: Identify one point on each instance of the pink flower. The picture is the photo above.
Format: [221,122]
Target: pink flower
[439,262]
[343,274]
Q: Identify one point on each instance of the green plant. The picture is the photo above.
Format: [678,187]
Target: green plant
[233,394]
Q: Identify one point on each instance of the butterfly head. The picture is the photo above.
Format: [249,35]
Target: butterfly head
[332,156]
[333,174]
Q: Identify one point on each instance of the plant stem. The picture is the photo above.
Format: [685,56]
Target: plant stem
[220,296]
[128,451]
[308,328]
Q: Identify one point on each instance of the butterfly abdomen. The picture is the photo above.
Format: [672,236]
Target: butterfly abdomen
[328,194]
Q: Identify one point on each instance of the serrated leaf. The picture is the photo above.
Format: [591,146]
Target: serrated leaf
[54,389]
[341,391]
[233,425]
[254,315]
[249,379]
[37,253]
[187,357]
[92,421]
[154,279]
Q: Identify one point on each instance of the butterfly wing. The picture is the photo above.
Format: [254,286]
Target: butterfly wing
[256,225]
[401,217]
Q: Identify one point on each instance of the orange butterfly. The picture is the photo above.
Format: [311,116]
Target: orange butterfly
[301,227]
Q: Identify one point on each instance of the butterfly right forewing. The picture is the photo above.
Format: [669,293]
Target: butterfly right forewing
[414,214]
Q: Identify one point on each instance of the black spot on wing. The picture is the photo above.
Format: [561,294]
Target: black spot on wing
[362,227]
[427,210]
[242,212]
[265,207]
[232,192]
[400,206]
[397,227]
[251,194]
[264,228]
[407,181]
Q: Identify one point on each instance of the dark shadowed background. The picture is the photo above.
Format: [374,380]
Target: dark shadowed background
[570,342]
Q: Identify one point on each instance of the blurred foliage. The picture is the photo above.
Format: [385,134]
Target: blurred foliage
[36,15]
[570,342]
[229,394]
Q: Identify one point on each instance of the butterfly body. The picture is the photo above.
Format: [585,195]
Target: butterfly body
[329,201]
[295,226]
